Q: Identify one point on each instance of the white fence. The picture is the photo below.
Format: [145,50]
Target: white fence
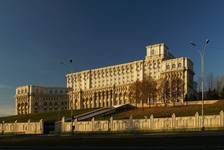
[22,127]
[153,124]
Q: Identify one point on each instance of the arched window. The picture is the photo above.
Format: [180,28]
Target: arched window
[167,66]
[152,52]
[179,65]
[173,66]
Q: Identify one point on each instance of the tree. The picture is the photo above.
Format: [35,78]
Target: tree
[148,90]
[177,89]
[135,92]
[143,91]
[222,93]
[210,81]
[163,90]
[171,91]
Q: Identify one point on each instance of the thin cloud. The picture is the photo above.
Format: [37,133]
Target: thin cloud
[4,86]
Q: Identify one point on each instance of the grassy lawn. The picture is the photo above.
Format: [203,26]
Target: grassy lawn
[125,114]
[167,111]
[50,116]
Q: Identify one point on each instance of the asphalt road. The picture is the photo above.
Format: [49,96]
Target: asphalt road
[157,141]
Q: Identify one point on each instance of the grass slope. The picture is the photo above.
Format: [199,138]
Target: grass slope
[136,113]
[159,112]
[49,116]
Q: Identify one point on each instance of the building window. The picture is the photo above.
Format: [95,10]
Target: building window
[167,66]
[152,52]
[173,66]
[179,65]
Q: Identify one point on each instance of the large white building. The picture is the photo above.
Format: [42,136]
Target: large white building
[35,99]
[108,86]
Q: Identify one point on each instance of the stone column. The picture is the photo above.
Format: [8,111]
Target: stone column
[75,125]
[93,124]
[97,102]
[61,125]
[101,99]
[15,127]
[145,122]
[41,126]
[173,121]
[111,124]
[151,121]
[93,102]
[130,123]
[197,120]
[89,102]
[28,126]
[105,101]
[221,119]
[109,101]
[3,127]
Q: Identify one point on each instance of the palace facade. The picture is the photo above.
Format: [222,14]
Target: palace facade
[109,86]
[35,99]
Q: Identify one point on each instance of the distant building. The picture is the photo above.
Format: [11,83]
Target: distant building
[35,99]
[108,86]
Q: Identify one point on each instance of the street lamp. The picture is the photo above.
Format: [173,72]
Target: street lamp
[70,71]
[202,54]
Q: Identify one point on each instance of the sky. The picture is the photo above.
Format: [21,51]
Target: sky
[36,35]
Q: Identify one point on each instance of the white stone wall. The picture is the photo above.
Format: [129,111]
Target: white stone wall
[21,127]
[151,124]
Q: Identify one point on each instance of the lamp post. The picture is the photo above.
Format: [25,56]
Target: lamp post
[202,54]
[70,89]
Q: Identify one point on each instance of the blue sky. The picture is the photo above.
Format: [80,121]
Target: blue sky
[36,35]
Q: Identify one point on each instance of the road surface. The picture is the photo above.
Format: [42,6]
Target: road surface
[157,141]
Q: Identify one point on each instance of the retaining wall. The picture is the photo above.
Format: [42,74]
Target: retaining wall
[151,123]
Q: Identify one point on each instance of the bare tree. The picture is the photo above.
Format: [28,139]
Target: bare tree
[163,90]
[142,91]
[210,81]
[135,92]
[149,90]
[170,91]
[218,84]
[177,89]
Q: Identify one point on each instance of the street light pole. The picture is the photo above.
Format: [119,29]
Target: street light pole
[71,90]
[202,54]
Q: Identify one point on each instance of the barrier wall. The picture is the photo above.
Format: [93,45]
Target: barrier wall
[22,127]
[151,123]
[185,103]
